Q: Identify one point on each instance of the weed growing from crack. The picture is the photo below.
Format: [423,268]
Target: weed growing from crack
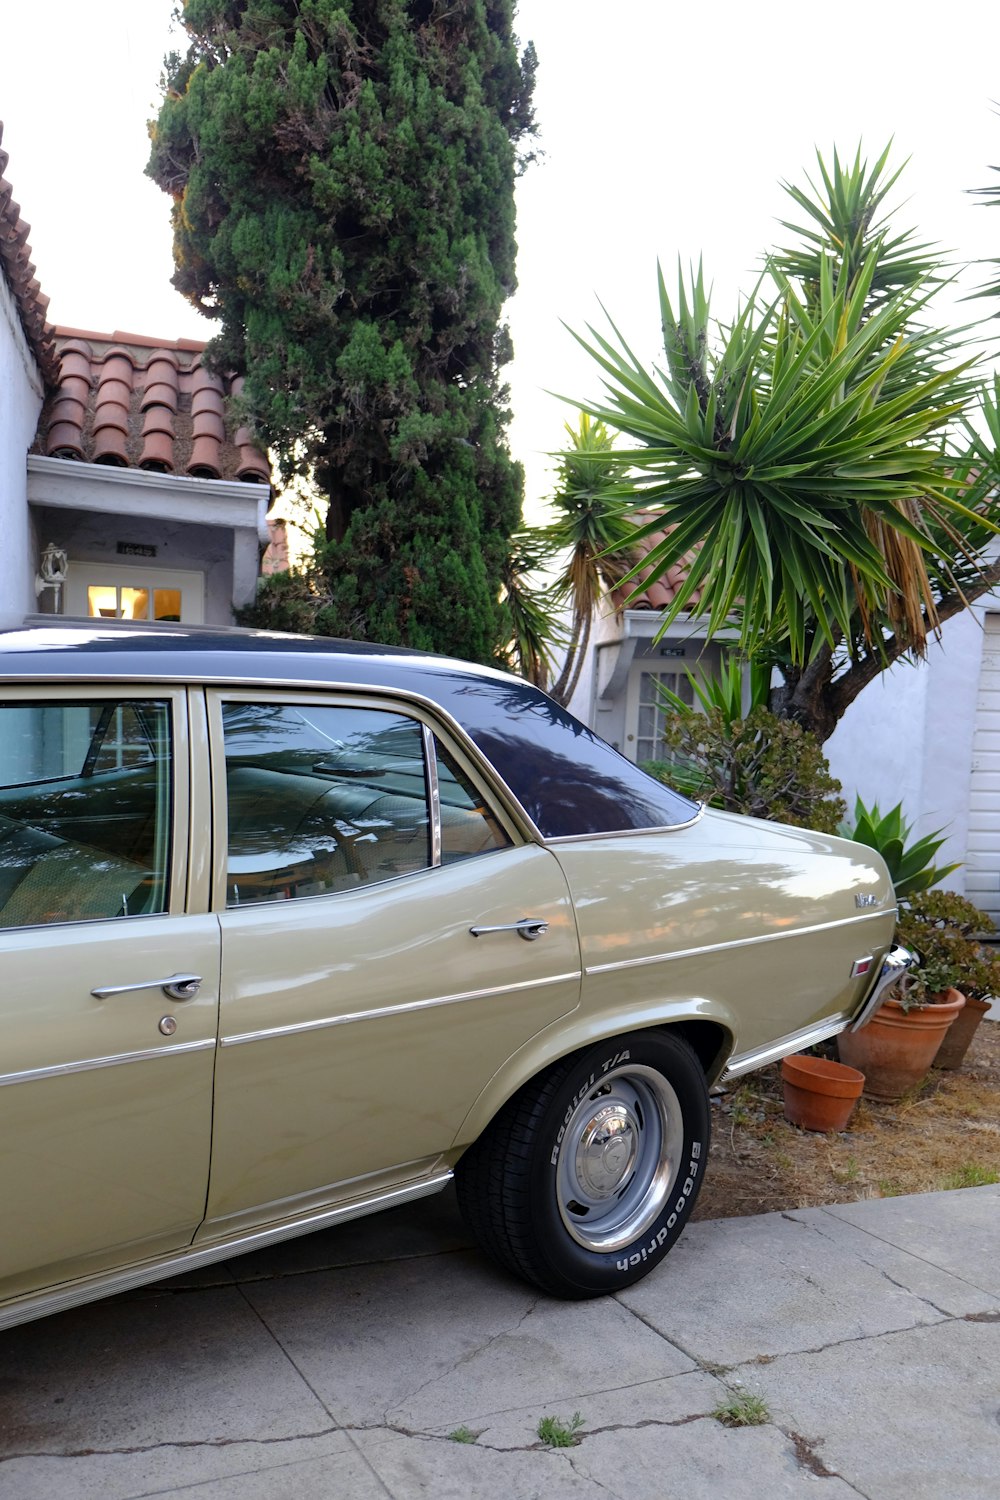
[463,1435]
[559,1434]
[741,1409]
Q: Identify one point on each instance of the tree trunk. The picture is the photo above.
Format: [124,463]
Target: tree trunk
[817,699]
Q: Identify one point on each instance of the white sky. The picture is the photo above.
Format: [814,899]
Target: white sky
[667,130]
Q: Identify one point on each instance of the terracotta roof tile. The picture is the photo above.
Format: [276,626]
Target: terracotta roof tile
[16,266]
[662,593]
[135,402]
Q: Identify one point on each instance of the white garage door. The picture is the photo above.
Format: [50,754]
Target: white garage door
[982,875]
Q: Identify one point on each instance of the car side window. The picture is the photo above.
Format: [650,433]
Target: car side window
[467,824]
[321,799]
[85,810]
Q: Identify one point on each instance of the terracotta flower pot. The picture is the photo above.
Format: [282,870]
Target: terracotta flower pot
[896,1048]
[951,1053]
[819,1094]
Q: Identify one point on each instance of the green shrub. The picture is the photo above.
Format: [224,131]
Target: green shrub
[761,765]
[941,928]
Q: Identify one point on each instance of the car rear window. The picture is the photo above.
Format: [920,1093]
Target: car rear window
[568,780]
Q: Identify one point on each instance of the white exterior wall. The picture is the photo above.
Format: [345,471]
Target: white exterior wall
[908,737]
[607,627]
[21,394]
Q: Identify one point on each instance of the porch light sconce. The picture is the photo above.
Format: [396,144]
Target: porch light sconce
[54,567]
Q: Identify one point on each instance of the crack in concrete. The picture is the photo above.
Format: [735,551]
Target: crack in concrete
[463,1359]
[943,1270]
[672,1343]
[858,1338]
[126,1452]
[589,1478]
[880,1270]
[422,1435]
[941,1312]
[807,1458]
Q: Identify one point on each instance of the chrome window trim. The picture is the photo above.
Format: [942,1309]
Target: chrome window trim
[115,1060]
[433,790]
[747,942]
[296,1028]
[43,1304]
[623,833]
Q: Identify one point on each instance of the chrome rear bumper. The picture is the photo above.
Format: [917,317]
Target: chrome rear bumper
[898,961]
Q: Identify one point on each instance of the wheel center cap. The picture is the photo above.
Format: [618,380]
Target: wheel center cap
[607,1151]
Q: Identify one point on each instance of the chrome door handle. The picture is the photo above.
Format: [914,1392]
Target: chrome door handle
[177,986]
[528,928]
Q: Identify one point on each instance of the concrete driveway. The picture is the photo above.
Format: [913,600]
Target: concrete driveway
[340,1367]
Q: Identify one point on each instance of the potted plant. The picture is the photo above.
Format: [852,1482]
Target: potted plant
[944,928]
[904,1038]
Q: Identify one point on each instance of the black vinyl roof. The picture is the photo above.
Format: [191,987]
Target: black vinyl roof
[568,780]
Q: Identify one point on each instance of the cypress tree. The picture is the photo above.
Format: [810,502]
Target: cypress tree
[342,174]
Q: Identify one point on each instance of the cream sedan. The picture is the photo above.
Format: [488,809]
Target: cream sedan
[294,930]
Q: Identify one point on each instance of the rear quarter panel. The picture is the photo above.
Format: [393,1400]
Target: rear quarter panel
[752,924]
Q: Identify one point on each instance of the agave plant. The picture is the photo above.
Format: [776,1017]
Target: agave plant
[910,864]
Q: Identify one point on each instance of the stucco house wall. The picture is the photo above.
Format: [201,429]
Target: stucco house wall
[911,736]
[21,395]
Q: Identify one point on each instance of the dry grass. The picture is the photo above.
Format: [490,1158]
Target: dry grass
[945,1135]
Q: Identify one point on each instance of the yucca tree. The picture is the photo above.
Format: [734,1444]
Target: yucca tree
[590,539]
[535,629]
[813,458]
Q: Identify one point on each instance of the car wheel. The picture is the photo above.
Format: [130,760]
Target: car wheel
[586,1177]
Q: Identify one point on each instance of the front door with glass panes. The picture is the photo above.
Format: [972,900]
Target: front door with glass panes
[645,705]
[108,591]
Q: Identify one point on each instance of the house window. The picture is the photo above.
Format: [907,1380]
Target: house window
[653,712]
[113,602]
[109,591]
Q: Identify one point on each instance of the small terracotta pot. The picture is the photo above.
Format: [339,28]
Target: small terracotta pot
[819,1094]
[951,1053]
[896,1048]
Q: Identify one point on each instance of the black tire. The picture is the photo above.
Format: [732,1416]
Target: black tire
[585,1178]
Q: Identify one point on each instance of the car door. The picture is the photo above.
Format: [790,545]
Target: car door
[361,1013]
[105,1078]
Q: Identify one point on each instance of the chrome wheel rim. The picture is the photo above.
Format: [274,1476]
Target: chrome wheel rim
[618,1158]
